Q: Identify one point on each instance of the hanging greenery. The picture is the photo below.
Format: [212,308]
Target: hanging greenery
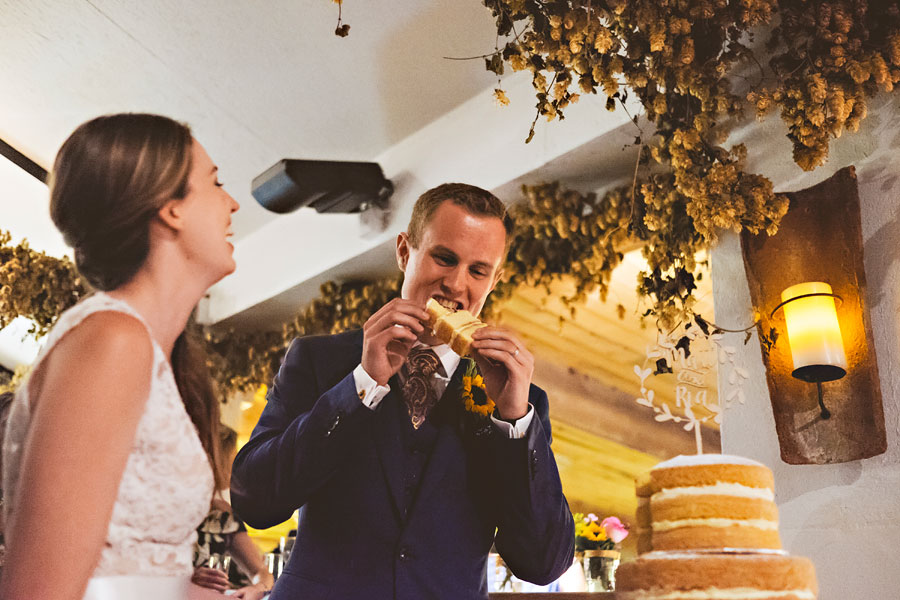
[560,233]
[683,58]
[342,29]
[244,361]
[10,381]
[829,59]
[35,286]
[680,59]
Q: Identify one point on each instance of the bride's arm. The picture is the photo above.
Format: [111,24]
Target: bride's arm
[87,399]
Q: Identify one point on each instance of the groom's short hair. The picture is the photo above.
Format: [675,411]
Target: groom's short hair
[475,200]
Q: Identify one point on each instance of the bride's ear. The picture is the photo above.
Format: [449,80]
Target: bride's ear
[172,214]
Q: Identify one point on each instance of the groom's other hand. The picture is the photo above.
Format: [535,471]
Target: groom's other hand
[388,336]
[507,367]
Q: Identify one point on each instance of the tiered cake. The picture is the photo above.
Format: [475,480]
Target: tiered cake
[707,529]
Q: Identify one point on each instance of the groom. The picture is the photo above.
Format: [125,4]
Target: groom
[367,433]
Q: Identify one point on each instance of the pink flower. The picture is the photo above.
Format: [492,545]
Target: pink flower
[615,530]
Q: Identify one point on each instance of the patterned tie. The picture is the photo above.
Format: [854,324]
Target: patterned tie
[416,376]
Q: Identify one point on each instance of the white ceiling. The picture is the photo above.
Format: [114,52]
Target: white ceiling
[258,80]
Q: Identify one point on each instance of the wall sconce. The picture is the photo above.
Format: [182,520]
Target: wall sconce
[819,240]
[814,335]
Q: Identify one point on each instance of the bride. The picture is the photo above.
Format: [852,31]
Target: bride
[108,464]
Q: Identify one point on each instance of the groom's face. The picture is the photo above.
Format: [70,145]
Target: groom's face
[458,259]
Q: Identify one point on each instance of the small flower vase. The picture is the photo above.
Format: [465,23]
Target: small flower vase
[600,569]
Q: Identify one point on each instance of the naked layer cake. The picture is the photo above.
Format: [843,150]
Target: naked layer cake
[713,501]
[707,529]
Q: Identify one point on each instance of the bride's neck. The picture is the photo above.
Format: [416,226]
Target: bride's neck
[165,299]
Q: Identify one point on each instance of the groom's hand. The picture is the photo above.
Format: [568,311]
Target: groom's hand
[507,367]
[388,336]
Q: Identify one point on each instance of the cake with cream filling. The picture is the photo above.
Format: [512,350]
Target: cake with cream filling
[698,576]
[453,327]
[707,529]
[713,501]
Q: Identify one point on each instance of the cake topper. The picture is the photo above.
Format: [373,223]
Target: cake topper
[691,352]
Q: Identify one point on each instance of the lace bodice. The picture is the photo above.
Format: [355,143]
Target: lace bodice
[167,484]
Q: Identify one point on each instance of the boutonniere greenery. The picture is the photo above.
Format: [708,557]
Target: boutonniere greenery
[474,395]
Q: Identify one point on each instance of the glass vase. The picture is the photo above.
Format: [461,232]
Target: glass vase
[600,569]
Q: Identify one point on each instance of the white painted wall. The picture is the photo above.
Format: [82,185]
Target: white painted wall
[845,517]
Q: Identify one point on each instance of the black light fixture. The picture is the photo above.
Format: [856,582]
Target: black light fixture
[327,186]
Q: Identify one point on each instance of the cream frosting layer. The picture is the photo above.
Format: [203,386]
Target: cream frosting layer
[719,489]
[705,594]
[715,522]
[706,459]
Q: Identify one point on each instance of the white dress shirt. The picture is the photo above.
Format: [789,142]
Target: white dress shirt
[371,394]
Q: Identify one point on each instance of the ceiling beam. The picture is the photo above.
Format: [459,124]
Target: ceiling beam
[23,162]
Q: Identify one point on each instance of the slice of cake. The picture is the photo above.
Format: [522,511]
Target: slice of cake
[453,327]
[713,501]
[699,576]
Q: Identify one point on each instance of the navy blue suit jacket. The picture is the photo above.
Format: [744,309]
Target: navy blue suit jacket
[318,448]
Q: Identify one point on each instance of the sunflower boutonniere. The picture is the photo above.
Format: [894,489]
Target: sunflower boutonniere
[474,395]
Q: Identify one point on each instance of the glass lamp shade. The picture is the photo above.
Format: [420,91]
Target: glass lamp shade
[814,334]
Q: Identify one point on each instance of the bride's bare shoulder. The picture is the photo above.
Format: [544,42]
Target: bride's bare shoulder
[108,351]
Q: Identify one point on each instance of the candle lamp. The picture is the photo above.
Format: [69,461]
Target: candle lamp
[814,335]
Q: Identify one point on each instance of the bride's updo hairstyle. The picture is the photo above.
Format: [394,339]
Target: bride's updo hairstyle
[109,181]
[110,178]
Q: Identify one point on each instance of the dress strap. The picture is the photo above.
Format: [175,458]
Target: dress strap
[70,319]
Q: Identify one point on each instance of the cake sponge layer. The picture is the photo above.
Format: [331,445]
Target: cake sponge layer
[705,507]
[732,535]
[756,476]
[660,575]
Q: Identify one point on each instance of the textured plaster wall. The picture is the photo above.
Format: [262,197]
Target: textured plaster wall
[845,517]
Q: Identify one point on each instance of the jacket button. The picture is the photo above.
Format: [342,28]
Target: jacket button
[405,554]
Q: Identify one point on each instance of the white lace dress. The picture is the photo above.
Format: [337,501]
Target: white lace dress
[166,487]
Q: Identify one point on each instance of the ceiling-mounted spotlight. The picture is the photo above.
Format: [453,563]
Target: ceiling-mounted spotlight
[327,186]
